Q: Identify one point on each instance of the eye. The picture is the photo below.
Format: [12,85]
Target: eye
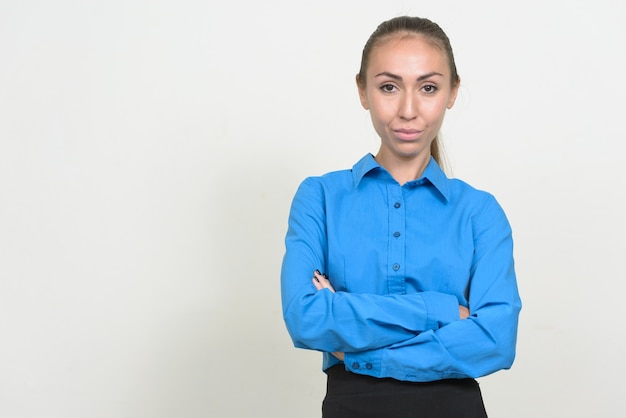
[388,88]
[429,89]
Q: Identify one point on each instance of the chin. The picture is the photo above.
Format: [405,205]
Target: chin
[411,153]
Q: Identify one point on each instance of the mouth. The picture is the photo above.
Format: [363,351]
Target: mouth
[407,134]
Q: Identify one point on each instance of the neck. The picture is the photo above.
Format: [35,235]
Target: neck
[402,169]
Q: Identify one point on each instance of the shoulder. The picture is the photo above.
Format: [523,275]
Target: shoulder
[315,191]
[482,205]
[333,180]
[347,179]
[488,219]
[462,192]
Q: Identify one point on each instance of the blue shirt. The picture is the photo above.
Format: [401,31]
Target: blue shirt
[401,259]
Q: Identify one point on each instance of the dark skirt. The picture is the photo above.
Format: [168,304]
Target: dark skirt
[351,395]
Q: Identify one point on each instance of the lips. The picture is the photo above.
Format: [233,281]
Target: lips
[407,134]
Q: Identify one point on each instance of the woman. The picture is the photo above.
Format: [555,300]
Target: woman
[419,296]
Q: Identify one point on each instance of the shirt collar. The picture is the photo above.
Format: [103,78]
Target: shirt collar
[433,174]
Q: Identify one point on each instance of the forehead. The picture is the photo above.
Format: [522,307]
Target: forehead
[405,51]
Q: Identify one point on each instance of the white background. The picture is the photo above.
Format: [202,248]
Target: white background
[149,151]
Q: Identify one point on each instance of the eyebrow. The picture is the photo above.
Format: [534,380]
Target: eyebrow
[398,78]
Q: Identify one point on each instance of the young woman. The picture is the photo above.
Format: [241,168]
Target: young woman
[419,295]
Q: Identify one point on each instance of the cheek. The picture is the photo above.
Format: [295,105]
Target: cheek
[435,111]
[382,110]
[378,123]
[375,114]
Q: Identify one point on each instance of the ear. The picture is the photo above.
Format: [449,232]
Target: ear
[362,95]
[453,94]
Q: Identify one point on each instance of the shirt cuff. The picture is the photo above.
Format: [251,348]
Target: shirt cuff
[441,309]
[367,362]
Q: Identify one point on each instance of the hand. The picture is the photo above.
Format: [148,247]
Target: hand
[463,312]
[338,355]
[321,281]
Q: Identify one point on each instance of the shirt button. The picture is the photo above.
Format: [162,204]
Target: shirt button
[355,366]
[369,366]
[397,205]
[396,234]
[396,267]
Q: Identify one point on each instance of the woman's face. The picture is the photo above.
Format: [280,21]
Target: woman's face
[407,91]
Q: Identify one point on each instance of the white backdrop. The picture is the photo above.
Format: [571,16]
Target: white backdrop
[149,151]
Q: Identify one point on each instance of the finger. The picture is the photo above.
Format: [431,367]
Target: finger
[317,283]
[321,278]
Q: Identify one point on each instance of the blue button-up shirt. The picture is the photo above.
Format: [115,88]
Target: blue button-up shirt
[402,258]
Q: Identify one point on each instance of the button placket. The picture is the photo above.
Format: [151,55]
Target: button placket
[396,255]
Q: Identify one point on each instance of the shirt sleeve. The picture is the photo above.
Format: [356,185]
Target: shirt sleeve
[346,322]
[472,347]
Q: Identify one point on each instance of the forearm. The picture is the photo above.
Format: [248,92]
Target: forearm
[342,321]
[473,347]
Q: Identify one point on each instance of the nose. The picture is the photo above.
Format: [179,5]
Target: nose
[408,107]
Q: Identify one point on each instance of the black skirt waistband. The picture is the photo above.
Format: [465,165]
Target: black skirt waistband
[351,395]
